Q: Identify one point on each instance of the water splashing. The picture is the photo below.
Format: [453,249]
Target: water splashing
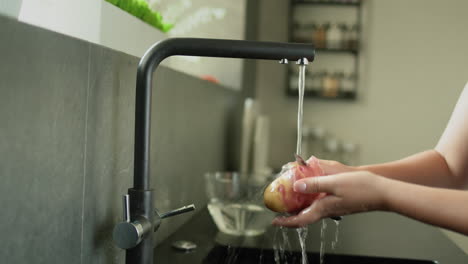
[277,257]
[260,259]
[232,254]
[275,247]
[337,230]
[302,234]
[281,246]
[322,240]
[286,244]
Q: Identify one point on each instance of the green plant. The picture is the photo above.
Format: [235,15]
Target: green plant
[140,9]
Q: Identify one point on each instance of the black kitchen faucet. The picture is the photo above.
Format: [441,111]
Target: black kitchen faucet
[140,217]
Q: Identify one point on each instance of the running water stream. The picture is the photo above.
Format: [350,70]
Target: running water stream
[281,246]
[300,106]
[301,232]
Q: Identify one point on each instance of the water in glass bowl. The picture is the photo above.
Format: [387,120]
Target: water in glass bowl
[240,219]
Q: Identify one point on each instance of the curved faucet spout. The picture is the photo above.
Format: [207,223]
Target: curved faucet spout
[193,47]
[134,234]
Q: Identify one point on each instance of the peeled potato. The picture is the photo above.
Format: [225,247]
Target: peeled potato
[280,197]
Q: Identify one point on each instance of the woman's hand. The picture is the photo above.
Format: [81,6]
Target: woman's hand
[347,193]
[330,167]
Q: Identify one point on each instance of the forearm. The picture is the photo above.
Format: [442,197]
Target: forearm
[436,206]
[426,168]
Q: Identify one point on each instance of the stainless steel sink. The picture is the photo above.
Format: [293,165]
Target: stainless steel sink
[231,255]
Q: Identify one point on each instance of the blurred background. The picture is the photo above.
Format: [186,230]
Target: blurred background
[384,82]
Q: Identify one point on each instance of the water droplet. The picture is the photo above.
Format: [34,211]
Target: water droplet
[337,230]
[322,240]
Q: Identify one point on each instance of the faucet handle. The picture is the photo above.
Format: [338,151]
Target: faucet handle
[126,208]
[181,210]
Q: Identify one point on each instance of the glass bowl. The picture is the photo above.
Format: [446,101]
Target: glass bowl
[236,204]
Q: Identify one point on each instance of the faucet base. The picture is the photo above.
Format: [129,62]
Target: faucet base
[141,205]
[142,253]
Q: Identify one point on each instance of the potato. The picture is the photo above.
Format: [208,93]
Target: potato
[280,197]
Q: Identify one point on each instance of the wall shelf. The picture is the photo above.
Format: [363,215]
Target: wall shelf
[328,3]
[317,95]
[337,50]
[306,19]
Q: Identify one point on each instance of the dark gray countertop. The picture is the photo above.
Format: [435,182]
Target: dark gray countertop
[370,234]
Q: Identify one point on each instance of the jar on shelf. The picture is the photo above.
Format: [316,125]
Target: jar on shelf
[353,37]
[348,85]
[334,37]
[345,31]
[330,85]
[319,35]
[339,76]
[316,81]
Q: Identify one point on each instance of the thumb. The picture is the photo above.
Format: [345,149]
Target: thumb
[315,185]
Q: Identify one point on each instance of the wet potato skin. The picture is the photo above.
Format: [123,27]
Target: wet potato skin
[280,197]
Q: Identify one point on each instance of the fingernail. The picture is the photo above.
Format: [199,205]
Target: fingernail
[300,187]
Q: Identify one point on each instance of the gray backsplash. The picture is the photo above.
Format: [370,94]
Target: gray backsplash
[66,144]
